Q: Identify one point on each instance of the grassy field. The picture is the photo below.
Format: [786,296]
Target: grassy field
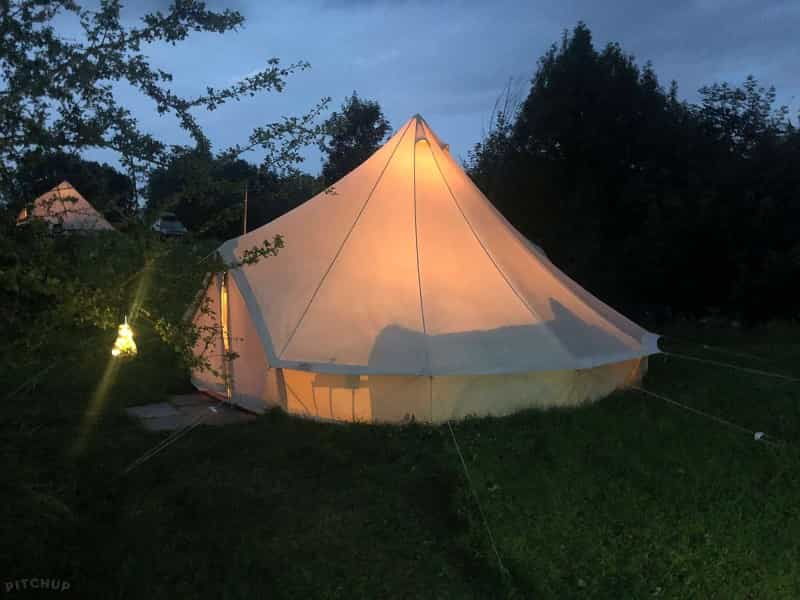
[626,498]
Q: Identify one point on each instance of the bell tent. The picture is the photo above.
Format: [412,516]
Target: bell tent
[403,293]
[64,207]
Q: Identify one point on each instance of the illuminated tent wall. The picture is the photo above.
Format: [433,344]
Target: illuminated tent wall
[64,206]
[403,293]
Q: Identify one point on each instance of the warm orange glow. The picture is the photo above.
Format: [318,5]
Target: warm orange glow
[329,397]
[226,340]
[406,294]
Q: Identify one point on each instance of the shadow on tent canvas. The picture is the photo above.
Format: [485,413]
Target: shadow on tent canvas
[488,372]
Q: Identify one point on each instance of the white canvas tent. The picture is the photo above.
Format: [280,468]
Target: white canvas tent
[64,207]
[402,292]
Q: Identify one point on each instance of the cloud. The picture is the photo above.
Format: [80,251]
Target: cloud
[377,59]
[145,6]
[450,60]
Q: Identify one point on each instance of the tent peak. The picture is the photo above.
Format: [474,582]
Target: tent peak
[50,207]
[419,130]
[423,131]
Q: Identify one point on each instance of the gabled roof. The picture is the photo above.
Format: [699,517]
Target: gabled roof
[63,205]
[404,267]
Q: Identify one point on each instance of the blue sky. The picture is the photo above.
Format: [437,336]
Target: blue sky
[449,61]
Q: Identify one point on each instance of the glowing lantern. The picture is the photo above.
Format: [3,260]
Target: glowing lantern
[124,344]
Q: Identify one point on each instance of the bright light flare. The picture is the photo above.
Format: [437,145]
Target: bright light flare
[124,344]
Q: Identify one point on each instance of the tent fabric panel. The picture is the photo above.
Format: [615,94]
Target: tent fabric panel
[278,289]
[476,320]
[461,288]
[591,331]
[372,286]
[254,385]
[328,397]
[397,399]
[500,395]
[496,230]
[380,277]
[205,380]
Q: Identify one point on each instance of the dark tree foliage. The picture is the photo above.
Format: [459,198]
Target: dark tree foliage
[207,193]
[59,97]
[351,136]
[58,93]
[204,192]
[108,190]
[270,195]
[647,200]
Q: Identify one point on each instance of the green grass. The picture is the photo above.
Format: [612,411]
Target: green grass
[626,498]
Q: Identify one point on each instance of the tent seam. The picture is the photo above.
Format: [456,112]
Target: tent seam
[341,246]
[566,281]
[416,245]
[496,266]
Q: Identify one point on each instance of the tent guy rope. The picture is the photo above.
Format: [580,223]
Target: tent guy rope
[758,436]
[168,441]
[750,370]
[477,500]
[713,348]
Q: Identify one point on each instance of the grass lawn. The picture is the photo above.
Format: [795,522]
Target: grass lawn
[626,498]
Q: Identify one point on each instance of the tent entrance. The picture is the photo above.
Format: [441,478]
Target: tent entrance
[227,365]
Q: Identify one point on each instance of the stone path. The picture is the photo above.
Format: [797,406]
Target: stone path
[182,410]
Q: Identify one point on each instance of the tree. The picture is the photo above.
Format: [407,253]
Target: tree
[203,191]
[751,194]
[486,162]
[58,94]
[271,195]
[207,192]
[351,136]
[574,168]
[646,199]
[58,98]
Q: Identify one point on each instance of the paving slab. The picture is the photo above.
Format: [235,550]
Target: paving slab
[229,416]
[150,411]
[183,410]
[194,410]
[189,400]
[171,423]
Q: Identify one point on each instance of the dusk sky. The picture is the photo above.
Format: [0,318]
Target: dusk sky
[449,61]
